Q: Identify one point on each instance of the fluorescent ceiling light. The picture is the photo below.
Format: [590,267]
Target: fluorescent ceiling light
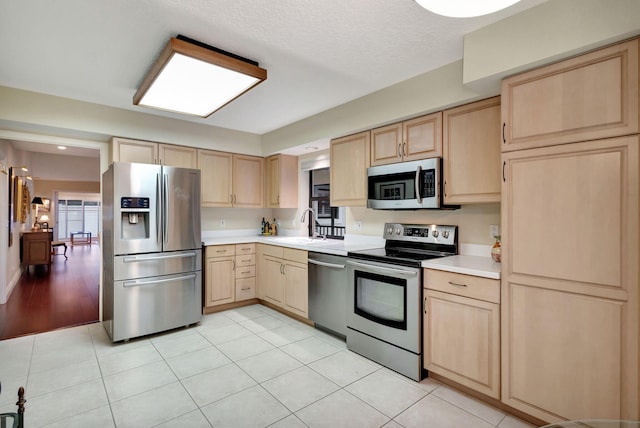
[192,78]
[465,8]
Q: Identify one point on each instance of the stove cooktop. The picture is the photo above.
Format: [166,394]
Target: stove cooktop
[411,244]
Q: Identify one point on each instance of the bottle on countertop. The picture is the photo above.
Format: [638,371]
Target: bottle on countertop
[267,228]
[262,226]
[274,227]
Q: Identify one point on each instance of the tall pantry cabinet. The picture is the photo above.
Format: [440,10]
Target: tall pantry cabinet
[570,192]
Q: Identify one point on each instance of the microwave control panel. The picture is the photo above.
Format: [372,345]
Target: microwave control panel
[428,185]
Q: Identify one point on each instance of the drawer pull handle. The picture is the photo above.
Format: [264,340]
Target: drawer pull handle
[221,251]
[245,272]
[459,285]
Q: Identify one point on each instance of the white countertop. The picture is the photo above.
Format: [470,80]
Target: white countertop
[329,246]
[468,265]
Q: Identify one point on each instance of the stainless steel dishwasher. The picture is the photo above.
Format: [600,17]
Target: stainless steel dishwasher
[328,292]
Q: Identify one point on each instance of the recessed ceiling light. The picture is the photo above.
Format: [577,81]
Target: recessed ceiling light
[311,148]
[190,77]
[62,148]
[465,8]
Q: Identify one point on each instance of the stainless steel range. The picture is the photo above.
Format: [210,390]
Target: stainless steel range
[384,304]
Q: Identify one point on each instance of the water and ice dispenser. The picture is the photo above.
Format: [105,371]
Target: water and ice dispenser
[135,218]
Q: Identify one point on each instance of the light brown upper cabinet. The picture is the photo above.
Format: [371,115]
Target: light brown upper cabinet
[584,98]
[348,174]
[471,153]
[282,181]
[137,151]
[230,180]
[414,139]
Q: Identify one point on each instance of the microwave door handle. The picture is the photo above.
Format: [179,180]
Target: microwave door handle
[418,173]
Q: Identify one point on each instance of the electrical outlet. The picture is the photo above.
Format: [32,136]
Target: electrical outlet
[494,230]
[357,225]
[222,223]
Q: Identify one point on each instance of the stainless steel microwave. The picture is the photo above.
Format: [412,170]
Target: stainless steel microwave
[406,185]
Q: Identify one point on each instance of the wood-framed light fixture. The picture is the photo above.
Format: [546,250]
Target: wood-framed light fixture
[193,78]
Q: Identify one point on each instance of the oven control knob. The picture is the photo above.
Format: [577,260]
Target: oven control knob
[398,231]
[445,234]
[390,231]
[435,233]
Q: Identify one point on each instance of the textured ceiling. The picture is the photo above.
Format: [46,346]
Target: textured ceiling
[318,53]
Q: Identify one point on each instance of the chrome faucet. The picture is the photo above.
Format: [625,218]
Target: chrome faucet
[312,215]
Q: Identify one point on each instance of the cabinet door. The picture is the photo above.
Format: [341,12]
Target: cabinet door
[220,287]
[216,177]
[570,217]
[462,340]
[282,181]
[422,137]
[471,153]
[563,355]
[386,144]
[349,163]
[134,151]
[570,280]
[247,181]
[180,156]
[273,277]
[583,98]
[296,295]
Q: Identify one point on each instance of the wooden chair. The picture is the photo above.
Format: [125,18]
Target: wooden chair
[55,244]
[15,419]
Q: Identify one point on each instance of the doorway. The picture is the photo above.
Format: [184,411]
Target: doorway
[68,292]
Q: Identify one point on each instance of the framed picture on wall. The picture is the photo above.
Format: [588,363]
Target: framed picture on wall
[45,207]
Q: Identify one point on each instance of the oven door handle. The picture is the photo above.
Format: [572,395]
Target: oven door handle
[383,269]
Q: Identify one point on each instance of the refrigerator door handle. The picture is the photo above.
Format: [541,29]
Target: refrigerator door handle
[135,283]
[131,259]
[158,211]
[165,203]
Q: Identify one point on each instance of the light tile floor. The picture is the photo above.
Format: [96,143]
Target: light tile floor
[247,367]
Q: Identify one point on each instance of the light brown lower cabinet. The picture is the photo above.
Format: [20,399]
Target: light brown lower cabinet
[230,273]
[462,332]
[282,278]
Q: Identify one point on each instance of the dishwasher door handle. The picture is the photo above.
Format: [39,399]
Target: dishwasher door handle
[325,264]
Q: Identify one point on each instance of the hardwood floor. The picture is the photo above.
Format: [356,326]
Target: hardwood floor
[64,295]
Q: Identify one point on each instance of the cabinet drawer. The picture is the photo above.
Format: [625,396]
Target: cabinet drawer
[295,255]
[245,288]
[245,271]
[272,250]
[220,250]
[245,260]
[249,248]
[475,287]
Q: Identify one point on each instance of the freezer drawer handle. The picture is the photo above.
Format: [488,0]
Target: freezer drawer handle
[132,259]
[383,269]
[156,281]
[325,264]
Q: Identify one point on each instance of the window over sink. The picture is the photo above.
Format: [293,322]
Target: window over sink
[330,221]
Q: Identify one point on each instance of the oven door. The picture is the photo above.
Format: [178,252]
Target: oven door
[384,302]
[406,185]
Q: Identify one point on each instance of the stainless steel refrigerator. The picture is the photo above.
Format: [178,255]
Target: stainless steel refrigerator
[152,249]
